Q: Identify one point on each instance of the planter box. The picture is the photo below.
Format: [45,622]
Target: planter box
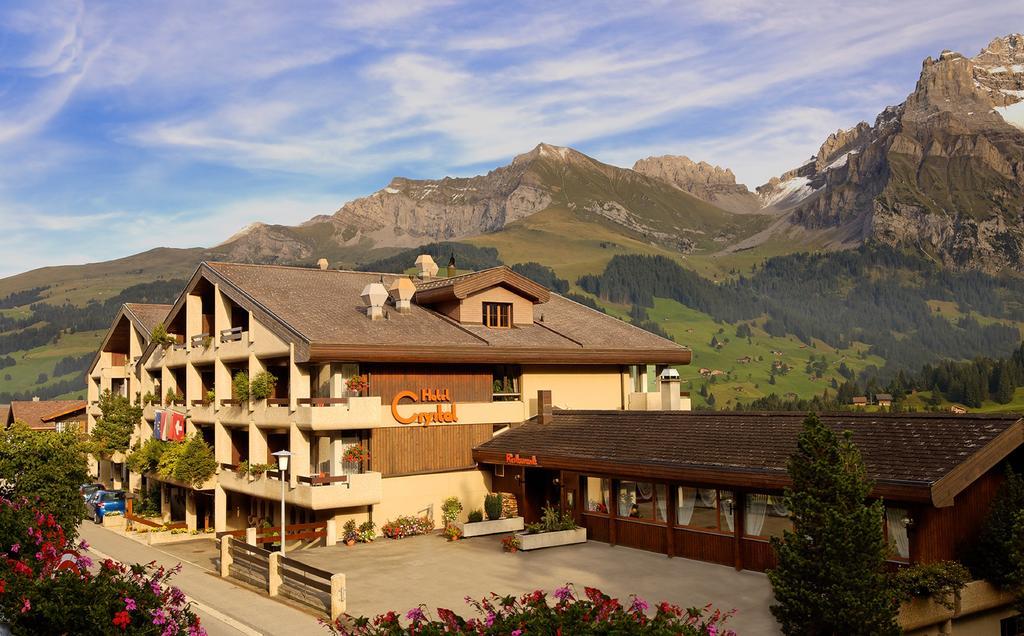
[497,526]
[552,539]
[116,522]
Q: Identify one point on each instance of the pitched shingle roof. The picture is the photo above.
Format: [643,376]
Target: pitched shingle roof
[42,413]
[148,315]
[897,449]
[323,309]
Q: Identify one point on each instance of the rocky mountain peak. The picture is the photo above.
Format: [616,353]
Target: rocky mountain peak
[703,180]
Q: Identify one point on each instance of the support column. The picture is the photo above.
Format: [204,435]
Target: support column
[190,510]
[298,444]
[613,509]
[220,509]
[225,555]
[671,507]
[165,502]
[738,517]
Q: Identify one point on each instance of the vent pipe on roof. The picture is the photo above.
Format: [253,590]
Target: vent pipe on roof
[322,264]
[402,290]
[374,296]
[670,384]
[426,266]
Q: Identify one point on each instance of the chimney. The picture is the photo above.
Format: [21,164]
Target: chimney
[402,290]
[426,266]
[451,266]
[670,384]
[374,296]
[322,264]
[544,408]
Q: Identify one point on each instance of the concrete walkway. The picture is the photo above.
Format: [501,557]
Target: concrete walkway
[225,609]
[401,574]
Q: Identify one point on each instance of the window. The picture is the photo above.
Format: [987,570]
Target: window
[59,427]
[765,516]
[705,508]
[505,383]
[595,493]
[498,314]
[642,500]
[1012,626]
[896,522]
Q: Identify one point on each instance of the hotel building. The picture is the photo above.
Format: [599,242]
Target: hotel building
[443,364]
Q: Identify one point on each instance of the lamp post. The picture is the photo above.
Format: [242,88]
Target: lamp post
[282,465]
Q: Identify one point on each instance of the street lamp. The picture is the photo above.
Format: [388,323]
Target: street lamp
[282,465]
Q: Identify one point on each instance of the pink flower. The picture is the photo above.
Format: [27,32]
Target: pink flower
[640,605]
[158,617]
[712,630]
[563,594]
[129,604]
[15,548]
[415,614]
[26,605]
[490,619]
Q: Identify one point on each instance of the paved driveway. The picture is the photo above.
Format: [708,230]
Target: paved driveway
[400,574]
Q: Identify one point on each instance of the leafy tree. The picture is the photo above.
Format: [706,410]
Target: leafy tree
[113,429]
[45,467]
[195,462]
[161,337]
[146,457]
[831,574]
[240,386]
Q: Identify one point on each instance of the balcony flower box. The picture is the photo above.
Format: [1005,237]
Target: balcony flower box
[497,526]
[551,539]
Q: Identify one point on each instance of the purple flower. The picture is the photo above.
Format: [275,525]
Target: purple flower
[517,632]
[129,604]
[640,605]
[712,630]
[563,593]
[416,614]
[15,548]
[490,619]
[84,562]
[158,617]
[83,545]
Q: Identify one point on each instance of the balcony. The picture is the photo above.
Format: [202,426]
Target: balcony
[202,348]
[234,412]
[317,493]
[233,345]
[334,414]
[203,412]
[274,412]
[175,355]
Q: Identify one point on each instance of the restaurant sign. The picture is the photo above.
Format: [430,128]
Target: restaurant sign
[516,459]
[440,397]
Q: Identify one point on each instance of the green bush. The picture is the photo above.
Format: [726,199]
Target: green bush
[475,516]
[367,532]
[552,520]
[240,386]
[145,458]
[161,337]
[988,557]
[941,581]
[262,385]
[450,509]
[492,506]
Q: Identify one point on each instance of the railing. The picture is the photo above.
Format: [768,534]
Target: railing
[322,401]
[231,335]
[199,339]
[153,524]
[305,583]
[278,401]
[202,402]
[505,397]
[231,402]
[323,480]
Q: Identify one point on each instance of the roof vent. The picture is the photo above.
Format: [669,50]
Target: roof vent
[402,290]
[426,266]
[322,264]
[669,374]
[374,296]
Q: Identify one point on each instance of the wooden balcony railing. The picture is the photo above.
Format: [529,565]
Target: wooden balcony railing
[197,340]
[278,401]
[231,402]
[202,402]
[324,480]
[231,335]
[322,401]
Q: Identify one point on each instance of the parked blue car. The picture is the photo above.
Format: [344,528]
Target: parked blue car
[106,501]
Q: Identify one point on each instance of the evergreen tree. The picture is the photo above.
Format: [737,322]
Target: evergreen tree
[831,575]
[1004,383]
[113,429]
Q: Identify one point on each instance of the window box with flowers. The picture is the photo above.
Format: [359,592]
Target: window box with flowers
[357,386]
[355,456]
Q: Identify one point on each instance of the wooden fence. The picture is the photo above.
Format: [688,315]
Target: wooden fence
[278,575]
[293,532]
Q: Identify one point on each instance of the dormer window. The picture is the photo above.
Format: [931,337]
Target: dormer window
[498,315]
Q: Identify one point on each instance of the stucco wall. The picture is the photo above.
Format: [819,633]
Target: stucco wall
[417,494]
[574,387]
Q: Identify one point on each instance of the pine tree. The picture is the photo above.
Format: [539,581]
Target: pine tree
[831,578]
[1004,384]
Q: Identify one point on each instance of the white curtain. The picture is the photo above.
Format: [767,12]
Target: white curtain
[727,507]
[898,538]
[753,520]
[627,497]
[778,506]
[685,498]
[707,496]
[661,501]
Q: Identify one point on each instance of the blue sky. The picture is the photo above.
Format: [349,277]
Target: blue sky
[126,126]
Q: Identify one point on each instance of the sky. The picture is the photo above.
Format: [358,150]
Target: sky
[127,126]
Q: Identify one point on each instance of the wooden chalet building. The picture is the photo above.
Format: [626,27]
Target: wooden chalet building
[412,371]
[708,486]
[47,415]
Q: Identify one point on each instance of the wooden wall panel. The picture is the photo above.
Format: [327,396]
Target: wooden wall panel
[704,546]
[939,533]
[597,527]
[467,383]
[425,449]
[644,536]
[758,555]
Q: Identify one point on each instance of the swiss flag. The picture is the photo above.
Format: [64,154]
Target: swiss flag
[178,426]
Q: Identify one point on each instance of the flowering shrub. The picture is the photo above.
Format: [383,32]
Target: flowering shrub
[407,527]
[46,588]
[593,613]
[355,454]
[510,543]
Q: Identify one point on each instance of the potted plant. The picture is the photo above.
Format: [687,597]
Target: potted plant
[492,506]
[450,509]
[452,532]
[497,522]
[357,386]
[355,454]
[161,337]
[211,397]
[555,528]
[172,396]
[262,385]
[350,536]
[367,532]
[475,516]
[240,386]
[510,543]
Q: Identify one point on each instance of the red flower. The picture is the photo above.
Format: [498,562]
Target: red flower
[3,586]
[122,620]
